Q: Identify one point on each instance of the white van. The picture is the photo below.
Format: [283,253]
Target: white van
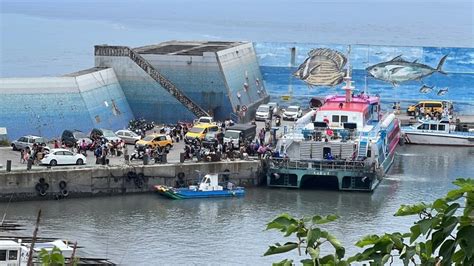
[263,113]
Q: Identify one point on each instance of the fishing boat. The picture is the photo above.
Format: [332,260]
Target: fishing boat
[207,188]
[346,144]
[437,132]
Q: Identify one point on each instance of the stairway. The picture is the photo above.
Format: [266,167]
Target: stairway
[363,147]
[105,50]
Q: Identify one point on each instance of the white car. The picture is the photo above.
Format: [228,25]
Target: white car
[63,156]
[263,113]
[292,113]
[128,136]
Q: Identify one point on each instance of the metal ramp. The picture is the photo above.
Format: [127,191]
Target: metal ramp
[105,50]
[363,147]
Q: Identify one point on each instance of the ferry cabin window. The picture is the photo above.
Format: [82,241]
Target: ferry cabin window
[433,127]
[335,118]
[441,127]
[424,127]
[343,118]
[12,254]
[3,255]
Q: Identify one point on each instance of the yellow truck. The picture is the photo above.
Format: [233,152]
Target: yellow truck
[429,107]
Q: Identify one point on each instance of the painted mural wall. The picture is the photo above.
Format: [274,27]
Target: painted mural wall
[47,106]
[295,72]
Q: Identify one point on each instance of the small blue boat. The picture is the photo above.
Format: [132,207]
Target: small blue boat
[207,188]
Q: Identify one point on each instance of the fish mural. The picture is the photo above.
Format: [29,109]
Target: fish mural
[322,67]
[426,89]
[442,92]
[399,70]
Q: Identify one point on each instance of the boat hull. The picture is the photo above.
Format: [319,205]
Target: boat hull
[186,193]
[438,139]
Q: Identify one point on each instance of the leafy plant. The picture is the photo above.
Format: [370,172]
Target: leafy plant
[447,228]
[310,238]
[53,258]
[4,142]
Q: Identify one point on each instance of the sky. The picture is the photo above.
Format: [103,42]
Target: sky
[52,37]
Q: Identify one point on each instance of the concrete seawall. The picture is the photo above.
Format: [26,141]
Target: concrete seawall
[97,181]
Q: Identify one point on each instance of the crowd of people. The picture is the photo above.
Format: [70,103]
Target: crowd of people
[33,155]
[194,149]
[221,150]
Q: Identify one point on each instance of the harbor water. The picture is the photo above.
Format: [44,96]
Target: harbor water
[147,229]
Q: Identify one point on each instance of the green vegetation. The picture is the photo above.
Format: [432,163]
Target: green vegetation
[4,142]
[55,257]
[443,235]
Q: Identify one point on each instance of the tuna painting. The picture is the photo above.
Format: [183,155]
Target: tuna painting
[399,70]
[322,67]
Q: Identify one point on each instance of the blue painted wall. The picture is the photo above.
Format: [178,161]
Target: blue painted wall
[42,114]
[204,85]
[275,64]
[49,114]
[147,99]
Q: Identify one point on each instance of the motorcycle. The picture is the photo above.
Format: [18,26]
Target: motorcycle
[277,121]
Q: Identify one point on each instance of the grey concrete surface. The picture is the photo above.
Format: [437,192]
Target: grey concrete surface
[6,153]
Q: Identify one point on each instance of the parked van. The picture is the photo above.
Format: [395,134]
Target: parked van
[263,113]
[71,137]
[429,107]
[239,133]
[204,120]
[107,134]
[199,131]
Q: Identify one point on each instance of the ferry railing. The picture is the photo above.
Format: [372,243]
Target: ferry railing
[321,164]
[101,50]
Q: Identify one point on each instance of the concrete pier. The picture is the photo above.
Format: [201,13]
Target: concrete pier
[97,181]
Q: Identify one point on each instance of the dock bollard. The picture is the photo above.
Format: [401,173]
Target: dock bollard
[9,165]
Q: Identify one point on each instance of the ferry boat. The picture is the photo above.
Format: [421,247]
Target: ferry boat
[347,144]
[207,188]
[437,132]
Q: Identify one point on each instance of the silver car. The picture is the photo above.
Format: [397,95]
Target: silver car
[27,141]
[128,136]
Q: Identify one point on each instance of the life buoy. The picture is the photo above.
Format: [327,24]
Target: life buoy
[329,132]
[62,184]
[42,192]
[65,192]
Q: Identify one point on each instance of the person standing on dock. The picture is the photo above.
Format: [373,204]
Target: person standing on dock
[261,136]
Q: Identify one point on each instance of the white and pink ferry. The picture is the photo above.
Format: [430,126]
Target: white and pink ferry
[346,144]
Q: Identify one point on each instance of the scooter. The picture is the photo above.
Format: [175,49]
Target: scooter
[277,121]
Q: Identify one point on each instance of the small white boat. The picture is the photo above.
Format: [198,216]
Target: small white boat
[15,253]
[437,132]
[207,188]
